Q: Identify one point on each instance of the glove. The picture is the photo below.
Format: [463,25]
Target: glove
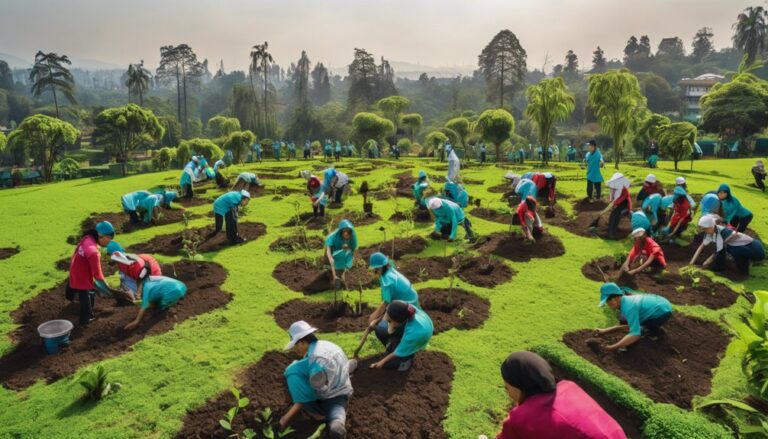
[102,288]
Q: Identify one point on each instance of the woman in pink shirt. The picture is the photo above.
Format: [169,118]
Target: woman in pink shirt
[85,269]
[548,410]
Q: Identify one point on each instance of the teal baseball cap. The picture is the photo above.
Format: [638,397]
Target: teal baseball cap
[113,246]
[105,228]
[378,260]
[607,290]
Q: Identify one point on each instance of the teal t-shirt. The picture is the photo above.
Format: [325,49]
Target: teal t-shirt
[226,202]
[640,221]
[162,292]
[593,160]
[297,376]
[638,308]
[416,335]
[526,188]
[732,207]
[395,286]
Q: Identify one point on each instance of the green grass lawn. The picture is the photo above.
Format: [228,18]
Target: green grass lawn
[164,376]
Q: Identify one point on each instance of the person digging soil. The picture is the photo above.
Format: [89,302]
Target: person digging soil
[671,370]
[104,337]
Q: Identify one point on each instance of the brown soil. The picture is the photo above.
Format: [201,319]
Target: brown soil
[467,311]
[171,244]
[500,188]
[7,252]
[582,223]
[122,222]
[678,289]
[403,184]
[357,218]
[385,404]
[475,270]
[630,422]
[584,205]
[104,337]
[671,370]
[513,247]
[678,256]
[418,216]
[195,201]
[492,215]
[271,176]
[295,243]
[313,276]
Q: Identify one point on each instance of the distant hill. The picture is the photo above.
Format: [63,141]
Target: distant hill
[413,71]
[16,62]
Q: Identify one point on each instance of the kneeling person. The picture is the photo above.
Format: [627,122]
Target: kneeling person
[161,292]
[640,314]
[647,251]
[319,382]
[408,331]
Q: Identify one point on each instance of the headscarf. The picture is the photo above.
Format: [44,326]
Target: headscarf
[725,188]
[528,372]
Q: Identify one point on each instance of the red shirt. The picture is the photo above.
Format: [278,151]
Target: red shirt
[566,413]
[523,211]
[541,183]
[682,211]
[134,271]
[85,265]
[623,196]
[647,248]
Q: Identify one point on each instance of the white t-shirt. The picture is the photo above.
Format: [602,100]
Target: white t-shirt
[739,240]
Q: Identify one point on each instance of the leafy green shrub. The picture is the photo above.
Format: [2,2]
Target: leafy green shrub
[198,146]
[69,168]
[161,159]
[405,145]
[97,384]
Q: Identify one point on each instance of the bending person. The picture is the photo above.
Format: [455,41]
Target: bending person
[640,314]
[160,292]
[340,247]
[225,209]
[408,331]
[85,275]
[646,251]
[743,248]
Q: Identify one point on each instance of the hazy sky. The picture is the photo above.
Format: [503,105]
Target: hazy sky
[434,32]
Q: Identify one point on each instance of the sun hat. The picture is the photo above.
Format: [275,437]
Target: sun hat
[245,193]
[707,221]
[435,203]
[511,176]
[121,258]
[650,178]
[638,232]
[680,180]
[113,246]
[378,260]
[305,174]
[607,290]
[548,175]
[297,331]
[105,228]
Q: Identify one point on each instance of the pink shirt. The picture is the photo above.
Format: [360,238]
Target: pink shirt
[568,412]
[85,265]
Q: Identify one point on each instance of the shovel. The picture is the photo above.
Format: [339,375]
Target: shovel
[362,341]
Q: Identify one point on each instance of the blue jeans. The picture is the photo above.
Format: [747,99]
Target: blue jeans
[334,410]
[390,342]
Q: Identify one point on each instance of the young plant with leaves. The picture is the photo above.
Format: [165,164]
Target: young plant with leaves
[97,384]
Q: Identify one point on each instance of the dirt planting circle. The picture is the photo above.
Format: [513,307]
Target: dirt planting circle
[309,221]
[7,252]
[295,243]
[513,247]
[104,337]
[172,244]
[680,289]
[385,404]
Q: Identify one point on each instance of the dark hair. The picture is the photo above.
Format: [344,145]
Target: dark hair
[311,338]
[92,233]
[615,295]
[592,142]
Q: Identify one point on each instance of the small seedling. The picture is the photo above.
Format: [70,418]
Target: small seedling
[462,313]
[229,416]
[97,384]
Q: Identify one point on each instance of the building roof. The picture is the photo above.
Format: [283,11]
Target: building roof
[707,79]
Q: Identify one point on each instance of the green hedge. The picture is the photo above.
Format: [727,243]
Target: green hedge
[660,421]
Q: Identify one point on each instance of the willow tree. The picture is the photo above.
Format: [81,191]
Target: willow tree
[123,129]
[239,142]
[495,126]
[549,102]
[676,140]
[615,97]
[45,138]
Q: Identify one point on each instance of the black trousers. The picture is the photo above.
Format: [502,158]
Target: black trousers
[87,303]
[615,218]
[741,223]
[339,194]
[231,223]
[760,181]
[318,210]
[134,216]
[593,186]
[186,191]
[650,326]
[221,182]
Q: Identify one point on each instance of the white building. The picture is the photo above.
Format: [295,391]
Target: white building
[693,90]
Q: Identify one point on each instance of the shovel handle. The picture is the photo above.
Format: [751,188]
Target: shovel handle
[605,278]
[362,341]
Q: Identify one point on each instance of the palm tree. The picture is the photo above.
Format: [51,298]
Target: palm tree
[751,32]
[548,102]
[260,59]
[49,72]
[138,79]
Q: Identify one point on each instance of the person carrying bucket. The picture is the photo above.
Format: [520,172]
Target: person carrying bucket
[640,314]
[340,247]
[159,292]
[85,275]
[319,382]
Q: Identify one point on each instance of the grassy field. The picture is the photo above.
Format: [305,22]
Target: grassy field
[164,376]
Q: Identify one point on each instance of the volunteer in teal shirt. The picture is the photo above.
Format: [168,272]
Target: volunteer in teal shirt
[418,189]
[448,216]
[654,212]
[225,209]
[131,201]
[394,286]
[594,161]
[246,180]
[161,292]
[640,221]
[456,193]
[526,188]
[340,249]
[734,212]
[149,206]
[417,330]
[641,314]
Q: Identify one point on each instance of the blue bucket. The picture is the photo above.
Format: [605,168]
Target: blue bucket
[55,334]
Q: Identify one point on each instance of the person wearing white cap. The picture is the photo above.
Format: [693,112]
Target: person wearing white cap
[620,202]
[448,217]
[134,269]
[221,181]
[246,180]
[743,248]
[513,178]
[545,185]
[650,186]
[680,181]
[646,251]
[225,209]
[318,383]
[189,175]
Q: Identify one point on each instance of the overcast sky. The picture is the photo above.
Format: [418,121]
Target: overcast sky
[434,32]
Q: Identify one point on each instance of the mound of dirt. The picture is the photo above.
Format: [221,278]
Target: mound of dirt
[122,222]
[459,309]
[678,289]
[308,220]
[195,201]
[275,176]
[104,337]
[172,244]
[476,270]
[630,422]
[7,252]
[587,205]
[515,248]
[313,276]
[385,404]
[671,370]
[584,224]
[493,215]
[296,242]
[417,215]
[501,188]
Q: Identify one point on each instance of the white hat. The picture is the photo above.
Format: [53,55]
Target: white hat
[548,175]
[305,174]
[638,232]
[297,331]
[707,221]
[120,258]
[616,176]
[195,158]
[618,181]
[511,176]
[245,193]
[680,180]
[650,178]
[435,203]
